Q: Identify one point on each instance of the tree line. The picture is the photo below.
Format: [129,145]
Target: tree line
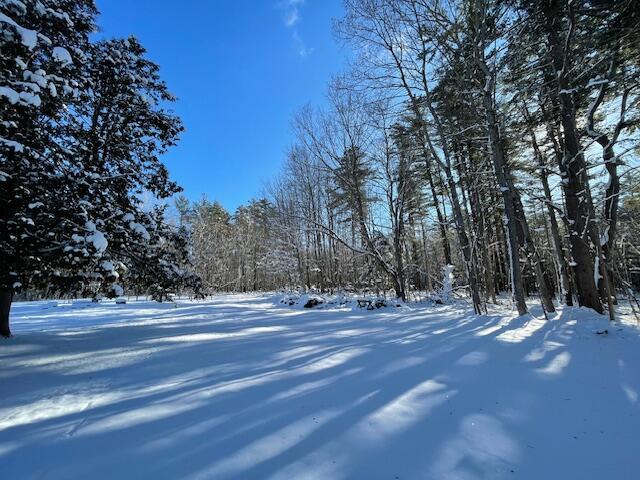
[496,137]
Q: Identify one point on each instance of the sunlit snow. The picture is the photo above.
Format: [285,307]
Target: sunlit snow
[242,387]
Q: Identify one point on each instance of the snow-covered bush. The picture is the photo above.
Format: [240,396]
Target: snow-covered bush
[447,284]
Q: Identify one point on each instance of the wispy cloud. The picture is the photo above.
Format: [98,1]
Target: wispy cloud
[303,50]
[292,11]
[292,18]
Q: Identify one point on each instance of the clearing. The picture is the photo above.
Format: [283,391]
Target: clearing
[242,387]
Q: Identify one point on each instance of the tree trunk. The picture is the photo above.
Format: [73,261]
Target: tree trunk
[487,251]
[534,258]
[442,226]
[477,220]
[6,297]
[427,270]
[399,278]
[580,212]
[565,284]
[612,196]
[399,288]
[612,192]
[503,176]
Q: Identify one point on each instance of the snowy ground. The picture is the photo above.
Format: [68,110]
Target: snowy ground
[240,387]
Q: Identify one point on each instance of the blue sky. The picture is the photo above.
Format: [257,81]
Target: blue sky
[240,69]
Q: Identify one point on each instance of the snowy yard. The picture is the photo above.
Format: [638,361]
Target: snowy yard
[241,387]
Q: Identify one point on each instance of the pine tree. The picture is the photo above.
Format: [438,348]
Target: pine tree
[42,51]
[83,130]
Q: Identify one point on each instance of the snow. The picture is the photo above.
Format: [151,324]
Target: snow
[16,146]
[242,387]
[62,55]
[15,4]
[110,268]
[140,230]
[98,240]
[29,37]
[10,94]
[60,16]
[38,77]
[596,271]
[604,238]
[30,98]
[96,237]
[448,280]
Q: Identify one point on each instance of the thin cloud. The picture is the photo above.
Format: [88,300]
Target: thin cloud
[292,12]
[292,18]
[303,50]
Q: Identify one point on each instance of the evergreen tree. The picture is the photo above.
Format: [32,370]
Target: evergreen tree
[83,128]
[42,53]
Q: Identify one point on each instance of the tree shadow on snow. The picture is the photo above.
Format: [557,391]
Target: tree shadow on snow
[238,388]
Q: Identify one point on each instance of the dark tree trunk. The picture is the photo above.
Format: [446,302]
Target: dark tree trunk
[580,212]
[612,192]
[442,225]
[560,260]
[427,270]
[534,258]
[399,288]
[507,189]
[611,201]
[399,278]
[478,220]
[6,297]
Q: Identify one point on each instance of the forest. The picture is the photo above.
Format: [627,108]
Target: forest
[499,138]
